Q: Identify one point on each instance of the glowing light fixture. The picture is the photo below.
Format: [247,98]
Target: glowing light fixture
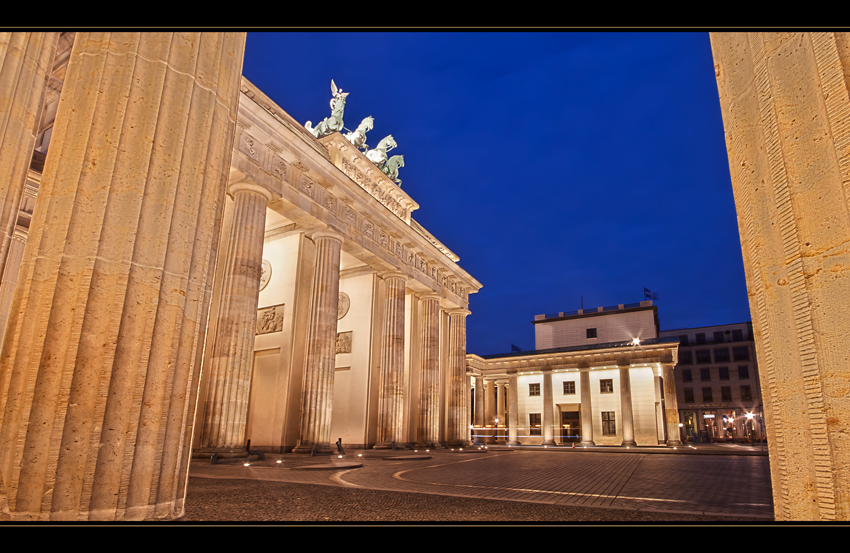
[636,341]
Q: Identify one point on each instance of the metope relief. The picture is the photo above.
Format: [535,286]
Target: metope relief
[270,319]
[248,146]
[343,342]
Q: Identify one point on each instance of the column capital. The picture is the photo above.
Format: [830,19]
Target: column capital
[248,186]
[393,274]
[326,233]
[463,312]
[430,296]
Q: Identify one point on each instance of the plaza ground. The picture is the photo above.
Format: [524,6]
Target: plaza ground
[709,484]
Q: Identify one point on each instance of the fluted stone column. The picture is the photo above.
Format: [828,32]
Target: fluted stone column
[320,362]
[671,406]
[500,409]
[26,61]
[105,322]
[429,375]
[548,414]
[586,409]
[391,387]
[479,411]
[659,411]
[232,362]
[626,406]
[489,411]
[458,412]
[513,411]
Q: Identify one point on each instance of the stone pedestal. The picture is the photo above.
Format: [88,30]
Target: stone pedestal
[104,326]
[226,404]
[513,409]
[318,384]
[671,406]
[458,409]
[626,407]
[391,387]
[586,410]
[548,408]
[429,376]
[785,103]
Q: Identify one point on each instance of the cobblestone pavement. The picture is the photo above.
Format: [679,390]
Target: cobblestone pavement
[539,486]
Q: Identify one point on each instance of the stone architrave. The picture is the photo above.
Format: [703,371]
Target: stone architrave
[671,406]
[548,409]
[458,409]
[479,437]
[391,386]
[513,410]
[429,375]
[226,404]
[785,103]
[26,61]
[586,409]
[320,363]
[626,407]
[108,312]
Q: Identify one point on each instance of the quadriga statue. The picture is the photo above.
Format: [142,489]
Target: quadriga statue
[332,124]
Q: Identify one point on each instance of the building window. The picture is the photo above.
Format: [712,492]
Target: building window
[686,375]
[706,395]
[686,358]
[683,340]
[746,395]
[703,356]
[700,338]
[726,393]
[741,354]
[534,424]
[705,374]
[689,395]
[591,333]
[606,386]
[570,387]
[718,337]
[534,389]
[743,372]
[609,426]
[724,373]
[721,355]
[738,335]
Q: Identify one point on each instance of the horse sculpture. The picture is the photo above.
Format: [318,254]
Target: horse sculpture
[358,137]
[378,156]
[332,124]
[390,169]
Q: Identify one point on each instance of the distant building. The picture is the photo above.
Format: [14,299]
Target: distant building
[595,377]
[717,383]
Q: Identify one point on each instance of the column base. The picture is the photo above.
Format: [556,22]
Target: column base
[422,445]
[672,443]
[223,453]
[631,443]
[514,443]
[549,442]
[587,443]
[321,449]
[460,443]
[389,445]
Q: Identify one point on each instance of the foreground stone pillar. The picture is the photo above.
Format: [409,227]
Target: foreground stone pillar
[586,409]
[659,412]
[785,103]
[318,384]
[626,406]
[479,411]
[513,411]
[500,410]
[671,406]
[548,408]
[458,416]
[489,411]
[232,363]
[391,387]
[105,323]
[429,375]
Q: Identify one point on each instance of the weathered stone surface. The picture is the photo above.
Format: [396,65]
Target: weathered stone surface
[391,387]
[458,409]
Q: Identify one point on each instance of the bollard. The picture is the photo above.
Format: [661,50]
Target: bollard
[393,446]
[248,446]
[214,458]
[339,446]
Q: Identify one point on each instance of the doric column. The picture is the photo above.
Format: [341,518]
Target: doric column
[458,412]
[232,360]
[489,411]
[671,407]
[479,411]
[548,415]
[586,409]
[105,322]
[500,409]
[659,411]
[429,375]
[391,386]
[513,410]
[626,406]
[320,362]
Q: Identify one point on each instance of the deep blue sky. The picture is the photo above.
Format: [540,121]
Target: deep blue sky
[556,165]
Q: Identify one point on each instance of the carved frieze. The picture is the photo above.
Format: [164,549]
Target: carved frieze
[330,202]
[368,228]
[383,239]
[248,146]
[270,319]
[307,186]
[278,167]
[381,195]
[343,342]
[350,218]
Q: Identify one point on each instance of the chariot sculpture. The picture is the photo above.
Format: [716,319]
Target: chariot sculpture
[332,124]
